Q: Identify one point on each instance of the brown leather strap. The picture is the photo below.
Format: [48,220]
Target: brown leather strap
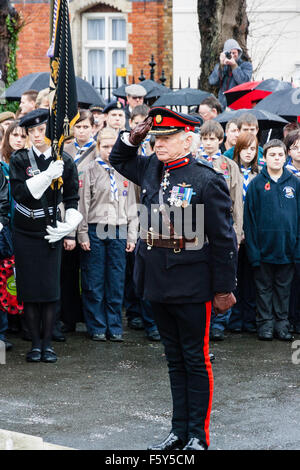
[154,239]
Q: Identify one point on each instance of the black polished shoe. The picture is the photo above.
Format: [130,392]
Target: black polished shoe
[194,444]
[98,337]
[172,442]
[265,335]
[211,357]
[216,335]
[48,355]
[154,336]
[283,335]
[34,355]
[116,338]
[136,323]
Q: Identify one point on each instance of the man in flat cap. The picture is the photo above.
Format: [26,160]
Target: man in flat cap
[36,235]
[185,259]
[135,97]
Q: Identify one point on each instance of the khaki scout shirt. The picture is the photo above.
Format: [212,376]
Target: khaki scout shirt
[231,173]
[251,177]
[97,208]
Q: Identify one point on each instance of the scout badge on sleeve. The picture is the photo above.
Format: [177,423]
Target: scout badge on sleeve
[181,195]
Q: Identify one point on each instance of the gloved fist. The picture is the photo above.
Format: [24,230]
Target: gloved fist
[138,134]
[223,302]
[55,169]
[62,229]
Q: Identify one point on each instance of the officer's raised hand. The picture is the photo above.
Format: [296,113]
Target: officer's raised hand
[138,134]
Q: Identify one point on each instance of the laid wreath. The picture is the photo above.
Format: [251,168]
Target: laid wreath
[8,291]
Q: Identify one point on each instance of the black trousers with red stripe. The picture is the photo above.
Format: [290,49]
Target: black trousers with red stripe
[184,331]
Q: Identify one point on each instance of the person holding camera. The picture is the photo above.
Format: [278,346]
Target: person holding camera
[232,70]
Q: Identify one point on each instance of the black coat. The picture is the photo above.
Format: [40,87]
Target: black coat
[190,276]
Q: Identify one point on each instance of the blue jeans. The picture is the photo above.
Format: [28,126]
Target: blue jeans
[220,321]
[3,324]
[102,279]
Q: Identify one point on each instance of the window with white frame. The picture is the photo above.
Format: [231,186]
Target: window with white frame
[104,47]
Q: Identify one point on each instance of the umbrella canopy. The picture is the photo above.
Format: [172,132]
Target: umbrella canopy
[86,93]
[153,89]
[265,119]
[285,103]
[183,97]
[248,94]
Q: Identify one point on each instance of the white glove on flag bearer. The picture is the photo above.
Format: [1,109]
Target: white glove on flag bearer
[72,220]
[38,184]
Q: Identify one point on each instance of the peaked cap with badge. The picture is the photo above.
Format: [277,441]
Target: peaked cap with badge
[34,118]
[168,122]
[113,105]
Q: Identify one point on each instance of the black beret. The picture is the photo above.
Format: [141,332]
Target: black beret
[113,105]
[34,118]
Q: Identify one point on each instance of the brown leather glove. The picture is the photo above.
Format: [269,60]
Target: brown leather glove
[138,134]
[223,302]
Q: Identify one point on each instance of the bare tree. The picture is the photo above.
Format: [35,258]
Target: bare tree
[218,21]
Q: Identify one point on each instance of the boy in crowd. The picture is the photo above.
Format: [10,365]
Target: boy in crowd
[247,122]
[272,237]
[212,136]
[28,100]
[231,134]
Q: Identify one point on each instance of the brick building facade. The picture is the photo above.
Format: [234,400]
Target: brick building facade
[105,35]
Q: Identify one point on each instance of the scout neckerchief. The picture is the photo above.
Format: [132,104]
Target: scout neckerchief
[246,180]
[144,146]
[113,184]
[172,166]
[84,148]
[292,168]
[211,158]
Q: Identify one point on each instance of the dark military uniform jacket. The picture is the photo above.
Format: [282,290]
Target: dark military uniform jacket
[20,170]
[188,276]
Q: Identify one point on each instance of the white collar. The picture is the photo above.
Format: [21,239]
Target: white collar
[47,153]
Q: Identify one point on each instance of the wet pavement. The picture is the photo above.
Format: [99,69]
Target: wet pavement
[116,395]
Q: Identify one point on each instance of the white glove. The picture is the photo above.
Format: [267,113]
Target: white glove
[38,184]
[72,220]
[1,227]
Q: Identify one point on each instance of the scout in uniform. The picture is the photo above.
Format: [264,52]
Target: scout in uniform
[179,273]
[83,151]
[37,245]
[108,230]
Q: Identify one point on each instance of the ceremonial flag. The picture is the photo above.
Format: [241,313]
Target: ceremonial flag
[63,95]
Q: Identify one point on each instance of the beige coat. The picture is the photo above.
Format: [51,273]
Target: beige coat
[231,173]
[251,177]
[96,206]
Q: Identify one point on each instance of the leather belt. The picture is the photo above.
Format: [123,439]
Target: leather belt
[155,239]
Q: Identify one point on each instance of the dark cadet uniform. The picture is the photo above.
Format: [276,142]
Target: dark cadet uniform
[181,282]
[37,264]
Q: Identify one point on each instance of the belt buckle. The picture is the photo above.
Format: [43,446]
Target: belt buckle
[150,243]
[32,214]
[176,250]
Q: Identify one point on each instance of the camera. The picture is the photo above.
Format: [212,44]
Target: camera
[228,55]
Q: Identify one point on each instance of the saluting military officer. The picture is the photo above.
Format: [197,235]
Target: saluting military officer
[174,270]
[37,245]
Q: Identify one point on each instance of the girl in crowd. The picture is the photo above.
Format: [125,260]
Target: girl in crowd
[243,312]
[108,230]
[292,142]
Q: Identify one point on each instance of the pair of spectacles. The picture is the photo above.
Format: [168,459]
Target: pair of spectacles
[137,97]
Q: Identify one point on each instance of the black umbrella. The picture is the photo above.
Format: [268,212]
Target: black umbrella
[86,93]
[272,84]
[285,103]
[153,89]
[265,119]
[183,97]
